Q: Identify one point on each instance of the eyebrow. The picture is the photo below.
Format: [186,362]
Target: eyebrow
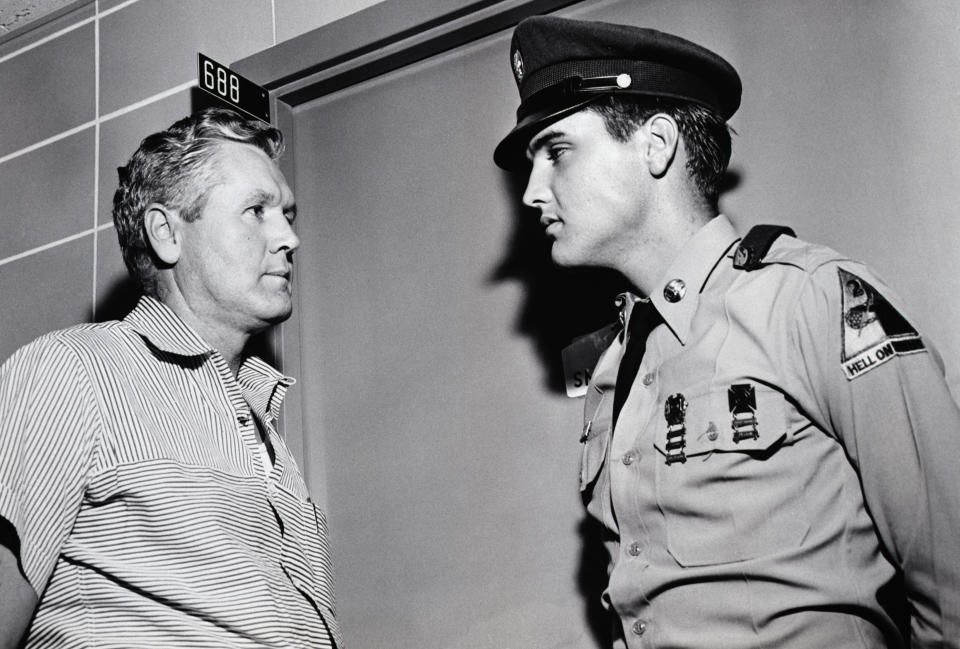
[543,140]
[261,196]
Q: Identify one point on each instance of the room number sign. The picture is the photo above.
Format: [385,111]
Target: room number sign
[230,87]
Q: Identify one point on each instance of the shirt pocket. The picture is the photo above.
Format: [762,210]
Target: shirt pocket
[732,496]
[596,435]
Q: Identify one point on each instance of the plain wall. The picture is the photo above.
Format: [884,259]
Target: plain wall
[78,90]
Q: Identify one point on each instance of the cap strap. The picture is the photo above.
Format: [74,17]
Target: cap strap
[566,81]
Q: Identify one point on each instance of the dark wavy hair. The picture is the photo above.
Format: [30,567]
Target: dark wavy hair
[175,168]
[706,136]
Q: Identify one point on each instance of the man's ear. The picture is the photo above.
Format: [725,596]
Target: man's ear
[663,137]
[162,226]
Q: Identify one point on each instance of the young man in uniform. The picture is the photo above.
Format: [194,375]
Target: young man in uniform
[146,498]
[769,443]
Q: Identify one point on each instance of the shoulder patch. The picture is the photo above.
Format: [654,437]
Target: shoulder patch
[873,332]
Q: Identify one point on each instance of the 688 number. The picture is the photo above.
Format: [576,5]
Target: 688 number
[221,81]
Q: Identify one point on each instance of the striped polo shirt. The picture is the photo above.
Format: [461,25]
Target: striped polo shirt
[130,466]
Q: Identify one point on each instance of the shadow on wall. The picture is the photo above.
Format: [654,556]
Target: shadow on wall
[118,300]
[592,580]
[561,304]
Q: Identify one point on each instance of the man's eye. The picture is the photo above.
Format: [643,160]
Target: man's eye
[554,153]
[256,210]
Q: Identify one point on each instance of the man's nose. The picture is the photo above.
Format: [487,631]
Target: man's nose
[537,191]
[285,239]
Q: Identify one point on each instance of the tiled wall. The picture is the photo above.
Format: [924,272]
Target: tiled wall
[77,93]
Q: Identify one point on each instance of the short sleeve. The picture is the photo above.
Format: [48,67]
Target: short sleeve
[881,392]
[48,424]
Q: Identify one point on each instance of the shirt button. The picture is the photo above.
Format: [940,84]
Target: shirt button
[243,419]
[712,432]
[639,627]
[648,379]
[628,458]
[635,549]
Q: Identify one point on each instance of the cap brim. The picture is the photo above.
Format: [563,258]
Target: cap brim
[511,153]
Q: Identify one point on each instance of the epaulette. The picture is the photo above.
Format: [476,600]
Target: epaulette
[754,246]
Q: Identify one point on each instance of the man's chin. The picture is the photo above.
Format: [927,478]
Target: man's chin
[280,316]
[562,257]
[278,312]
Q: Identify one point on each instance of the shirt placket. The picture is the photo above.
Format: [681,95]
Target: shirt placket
[292,611]
[242,414]
[632,473]
[289,626]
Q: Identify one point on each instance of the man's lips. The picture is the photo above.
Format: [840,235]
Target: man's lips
[550,224]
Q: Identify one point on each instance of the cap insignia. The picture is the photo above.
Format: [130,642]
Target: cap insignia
[517,66]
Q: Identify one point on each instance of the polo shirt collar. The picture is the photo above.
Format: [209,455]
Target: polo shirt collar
[263,386]
[691,270]
[163,329]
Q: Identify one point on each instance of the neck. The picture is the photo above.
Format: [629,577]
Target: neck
[659,245]
[228,344]
[229,341]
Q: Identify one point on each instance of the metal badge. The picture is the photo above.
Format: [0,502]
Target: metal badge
[743,410]
[517,66]
[586,431]
[674,290]
[675,412]
[741,258]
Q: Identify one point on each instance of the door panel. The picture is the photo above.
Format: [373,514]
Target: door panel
[449,461]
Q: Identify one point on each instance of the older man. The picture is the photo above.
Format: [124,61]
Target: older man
[147,499]
[769,443]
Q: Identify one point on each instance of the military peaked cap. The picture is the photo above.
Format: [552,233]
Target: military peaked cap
[561,65]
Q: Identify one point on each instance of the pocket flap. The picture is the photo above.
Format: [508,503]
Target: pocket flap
[726,495]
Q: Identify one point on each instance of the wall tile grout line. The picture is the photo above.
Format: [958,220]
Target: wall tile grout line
[46,39]
[95,123]
[96,154]
[111,10]
[273,17]
[104,118]
[54,244]
[66,30]
[50,140]
[149,100]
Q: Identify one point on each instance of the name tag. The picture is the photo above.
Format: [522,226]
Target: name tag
[581,356]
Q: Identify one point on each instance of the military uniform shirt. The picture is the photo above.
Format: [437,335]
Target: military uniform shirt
[788,445]
[147,517]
